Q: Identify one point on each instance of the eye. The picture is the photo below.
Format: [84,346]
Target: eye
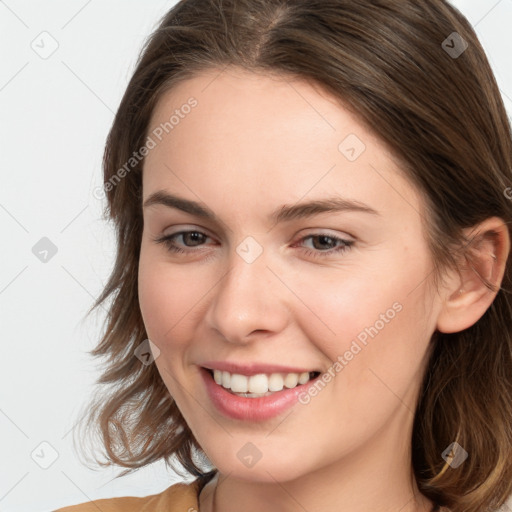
[323,245]
[320,241]
[195,237]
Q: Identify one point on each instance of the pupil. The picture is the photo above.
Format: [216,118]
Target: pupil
[324,239]
[194,236]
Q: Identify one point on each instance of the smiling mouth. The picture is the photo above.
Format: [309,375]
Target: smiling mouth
[259,385]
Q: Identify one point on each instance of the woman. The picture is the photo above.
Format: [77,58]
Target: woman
[311,300]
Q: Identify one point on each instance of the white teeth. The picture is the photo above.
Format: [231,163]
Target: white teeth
[303,378]
[259,384]
[291,380]
[239,383]
[275,382]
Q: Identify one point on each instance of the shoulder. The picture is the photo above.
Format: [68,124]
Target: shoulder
[180,496]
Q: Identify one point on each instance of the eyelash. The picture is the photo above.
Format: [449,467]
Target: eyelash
[168,241]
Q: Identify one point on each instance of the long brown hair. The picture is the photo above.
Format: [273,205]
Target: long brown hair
[439,111]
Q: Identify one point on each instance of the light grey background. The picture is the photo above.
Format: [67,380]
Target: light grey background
[56,111]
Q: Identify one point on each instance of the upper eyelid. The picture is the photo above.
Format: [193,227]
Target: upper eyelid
[185,231]
[205,231]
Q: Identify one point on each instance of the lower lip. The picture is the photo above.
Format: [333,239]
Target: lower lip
[251,409]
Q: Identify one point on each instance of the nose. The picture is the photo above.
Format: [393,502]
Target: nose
[249,301]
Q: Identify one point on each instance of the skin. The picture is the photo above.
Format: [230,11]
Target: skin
[252,144]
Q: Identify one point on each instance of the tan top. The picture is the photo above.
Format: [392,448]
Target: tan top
[180,497]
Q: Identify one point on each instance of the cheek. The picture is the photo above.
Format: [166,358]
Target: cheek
[342,305]
[375,324]
[169,298]
[166,297]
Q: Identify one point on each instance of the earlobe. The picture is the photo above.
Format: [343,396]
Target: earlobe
[467,295]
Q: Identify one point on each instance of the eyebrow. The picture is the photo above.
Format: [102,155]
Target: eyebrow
[285,213]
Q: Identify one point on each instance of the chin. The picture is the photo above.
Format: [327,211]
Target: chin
[265,470]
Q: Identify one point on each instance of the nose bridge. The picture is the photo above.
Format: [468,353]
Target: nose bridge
[246,298]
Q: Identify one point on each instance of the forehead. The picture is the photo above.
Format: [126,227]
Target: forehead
[261,103]
[245,131]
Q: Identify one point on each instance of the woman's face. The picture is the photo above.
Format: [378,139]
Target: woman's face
[329,287]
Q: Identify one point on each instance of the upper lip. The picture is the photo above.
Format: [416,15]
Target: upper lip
[253,368]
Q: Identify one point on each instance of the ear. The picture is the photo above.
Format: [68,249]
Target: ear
[466,297]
